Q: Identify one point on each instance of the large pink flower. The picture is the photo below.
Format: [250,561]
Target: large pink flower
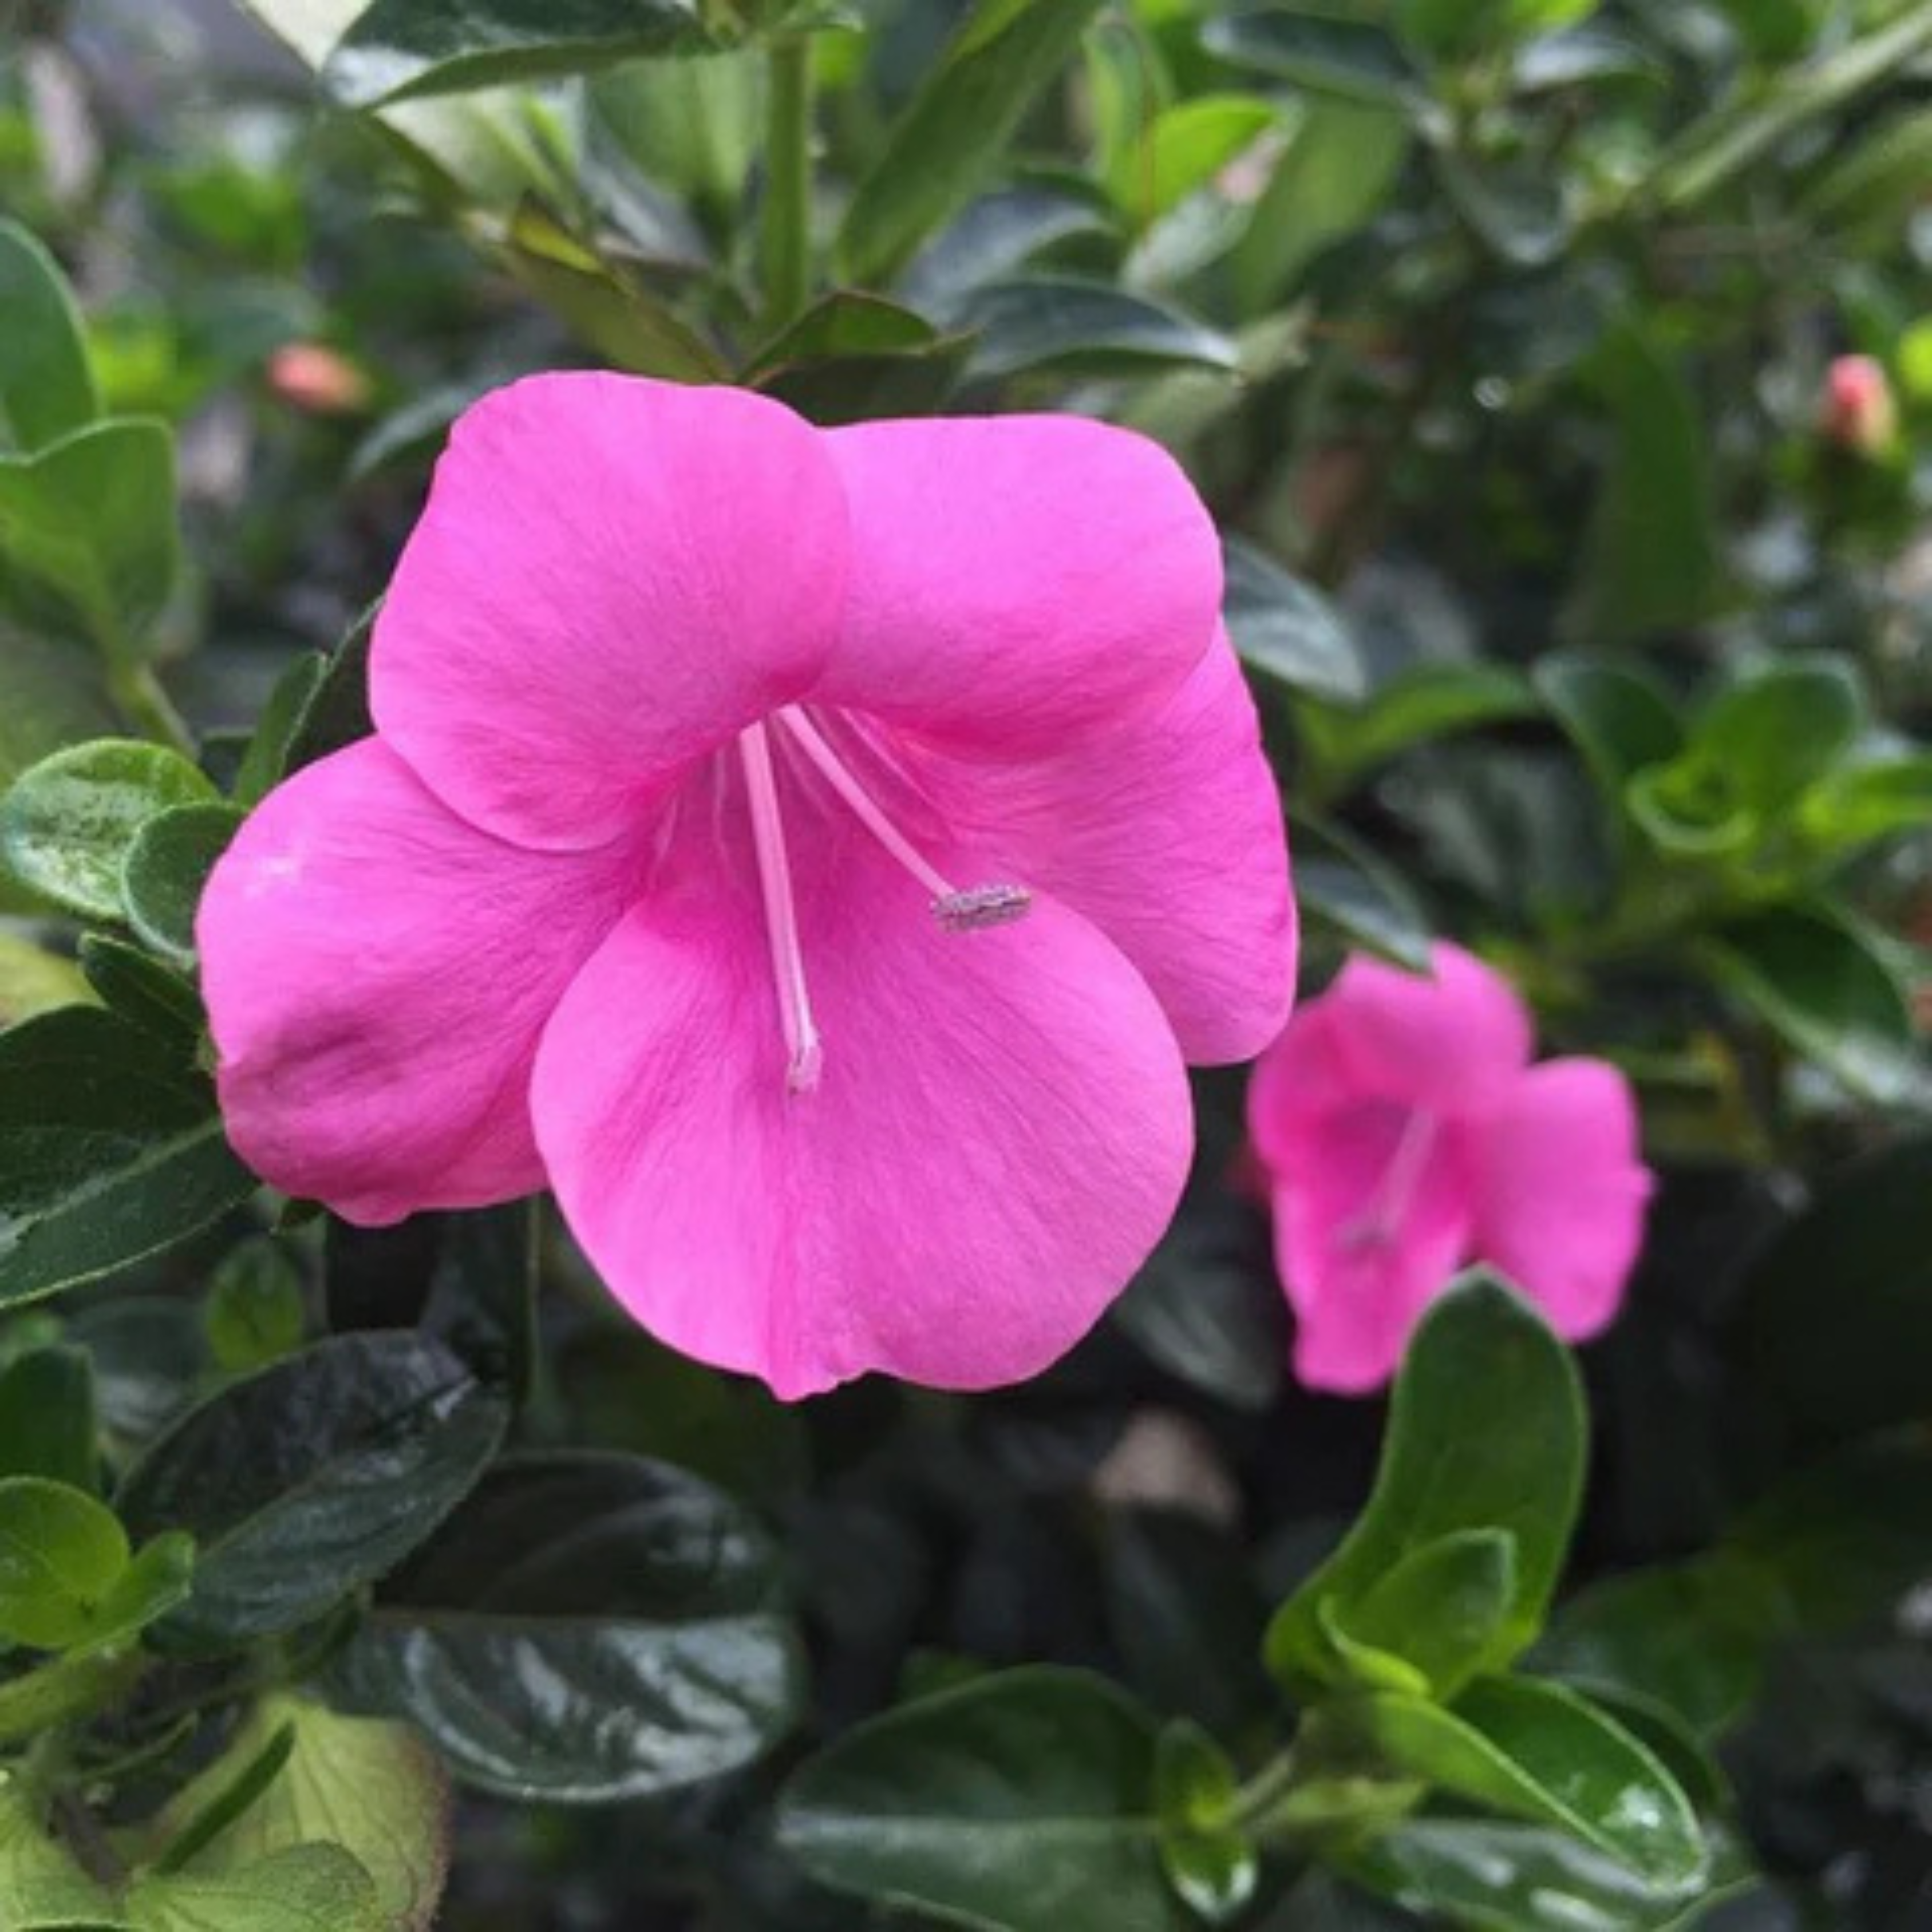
[813,854]
[1404,1133]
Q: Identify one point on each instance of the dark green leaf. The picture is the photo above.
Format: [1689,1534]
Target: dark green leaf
[1090,327]
[1586,52]
[1285,628]
[1340,879]
[1024,1802]
[1620,719]
[92,517]
[265,763]
[952,134]
[853,357]
[47,1423]
[61,1553]
[254,1313]
[1318,51]
[166,869]
[1486,1431]
[154,997]
[1651,559]
[400,48]
[1520,211]
[227,1791]
[1209,1860]
[110,1150]
[47,387]
[337,712]
[997,237]
[315,1476]
[68,825]
[1441,1608]
[586,1629]
[1824,990]
[1428,700]
[1456,28]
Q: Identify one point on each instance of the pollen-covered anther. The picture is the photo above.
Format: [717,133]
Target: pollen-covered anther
[979,907]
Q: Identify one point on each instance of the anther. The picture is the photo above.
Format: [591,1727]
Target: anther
[979,907]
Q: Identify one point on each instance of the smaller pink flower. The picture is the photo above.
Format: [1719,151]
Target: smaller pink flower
[1405,1135]
[1859,411]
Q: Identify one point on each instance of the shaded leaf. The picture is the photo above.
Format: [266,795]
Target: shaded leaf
[46,387]
[1285,628]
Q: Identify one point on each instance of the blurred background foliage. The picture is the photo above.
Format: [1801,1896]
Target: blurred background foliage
[1585,584]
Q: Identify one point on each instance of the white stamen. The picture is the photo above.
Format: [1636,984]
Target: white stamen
[1380,1223]
[806,1051]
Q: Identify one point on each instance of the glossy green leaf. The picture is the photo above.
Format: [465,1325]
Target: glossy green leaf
[314,1477]
[47,1422]
[999,235]
[337,712]
[1521,211]
[167,867]
[1442,1608]
[397,49]
[254,1313]
[1287,629]
[265,763]
[853,357]
[305,1889]
[1651,559]
[633,1642]
[141,990]
[1340,166]
[1480,1353]
[67,826]
[46,387]
[373,1788]
[1075,326]
[1341,881]
[111,1149]
[1534,1750]
[952,135]
[61,1553]
[1209,1860]
[1321,52]
[1822,988]
[91,518]
[1571,56]
[1184,149]
[1023,1802]
[1429,700]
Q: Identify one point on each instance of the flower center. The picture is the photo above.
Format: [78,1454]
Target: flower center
[969,909]
[1380,1223]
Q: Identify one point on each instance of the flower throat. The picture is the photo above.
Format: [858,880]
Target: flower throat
[957,910]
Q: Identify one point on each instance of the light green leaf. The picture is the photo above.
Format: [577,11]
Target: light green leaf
[46,387]
[309,1888]
[61,1553]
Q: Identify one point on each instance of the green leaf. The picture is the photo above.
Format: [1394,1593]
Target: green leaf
[374,1788]
[998,236]
[111,1149]
[1867,193]
[611,310]
[337,714]
[1320,52]
[306,1888]
[68,824]
[693,126]
[1075,326]
[265,763]
[399,49]
[952,135]
[1620,718]
[41,1884]
[1341,164]
[1185,147]
[152,997]
[852,357]
[61,1553]
[1780,727]
[1486,1431]
[53,693]
[92,517]
[1285,628]
[47,1422]
[1520,211]
[587,1628]
[1441,1608]
[255,1313]
[1209,1862]
[221,1797]
[166,869]
[33,980]
[1429,700]
[1534,1750]
[46,387]
[1858,804]
[1342,881]
[1650,560]
[158,1580]
[1023,1802]
[313,1477]
[1456,28]
[1823,989]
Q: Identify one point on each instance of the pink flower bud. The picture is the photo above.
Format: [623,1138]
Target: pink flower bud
[318,380]
[1859,411]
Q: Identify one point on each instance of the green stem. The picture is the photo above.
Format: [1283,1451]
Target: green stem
[71,1688]
[139,694]
[786,239]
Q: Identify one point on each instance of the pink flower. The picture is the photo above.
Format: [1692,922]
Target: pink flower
[1406,1134]
[812,853]
[318,380]
[1858,410]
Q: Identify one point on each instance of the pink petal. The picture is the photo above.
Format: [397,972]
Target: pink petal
[1562,1191]
[1166,832]
[1298,1083]
[1017,579]
[998,1136]
[377,972]
[1361,1258]
[1454,1042]
[612,577]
